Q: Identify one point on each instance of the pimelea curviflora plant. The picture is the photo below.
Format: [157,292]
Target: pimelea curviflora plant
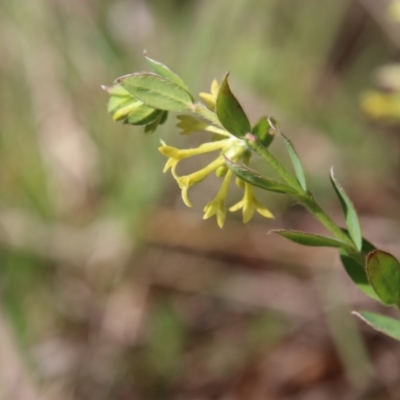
[146,98]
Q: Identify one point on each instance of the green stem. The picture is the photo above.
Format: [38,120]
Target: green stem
[309,202]
[304,197]
[257,146]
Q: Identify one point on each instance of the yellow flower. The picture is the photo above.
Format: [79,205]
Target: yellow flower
[217,206]
[249,204]
[175,155]
[233,148]
[185,182]
[211,98]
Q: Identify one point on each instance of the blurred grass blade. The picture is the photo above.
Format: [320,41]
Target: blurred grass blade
[254,178]
[309,239]
[230,112]
[165,72]
[156,91]
[353,224]
[297,165]
[383,271]
[381,323]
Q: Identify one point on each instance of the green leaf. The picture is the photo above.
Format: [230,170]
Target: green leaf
[356,271]
[254,178]
[151,127]
[142,115]
[262,129]
[122,112]
[115,90]
[383,271]
[165,72]
[156,91]
[164,117]
[297,165]
[350,212]
[117,102]
[381,323]
[309,239]
[230,112]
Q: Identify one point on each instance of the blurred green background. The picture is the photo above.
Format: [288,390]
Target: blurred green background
[109,287]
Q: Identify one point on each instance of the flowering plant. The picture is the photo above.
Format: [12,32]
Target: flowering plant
[146,98]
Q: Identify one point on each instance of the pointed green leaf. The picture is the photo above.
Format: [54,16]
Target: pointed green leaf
[230,112]
[164,117]
[350,212]
[152,126]
[115,90]
[127,108]
[383,271]
[309,239]
[381,323]
[254,178]
[165,72]
[142,115]
[156,91]
[262,129]
[297,165]
[117,102]
[356,271]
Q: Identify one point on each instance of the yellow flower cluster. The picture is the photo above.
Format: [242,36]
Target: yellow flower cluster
[229,146]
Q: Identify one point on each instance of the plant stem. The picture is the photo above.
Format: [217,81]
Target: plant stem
[305,198]
[257,146]
[309,202]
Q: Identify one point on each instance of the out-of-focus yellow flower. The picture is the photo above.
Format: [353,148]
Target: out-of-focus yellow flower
[394,10]
[381,105]
[211,98]
[249,204]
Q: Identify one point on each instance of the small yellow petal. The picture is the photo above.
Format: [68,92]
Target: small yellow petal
[249,204]
[185,197]
[171,163]
[208,99]
[264,212]
[221,216]
[248,212]
[236,207]
[215,88]
[210,209]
